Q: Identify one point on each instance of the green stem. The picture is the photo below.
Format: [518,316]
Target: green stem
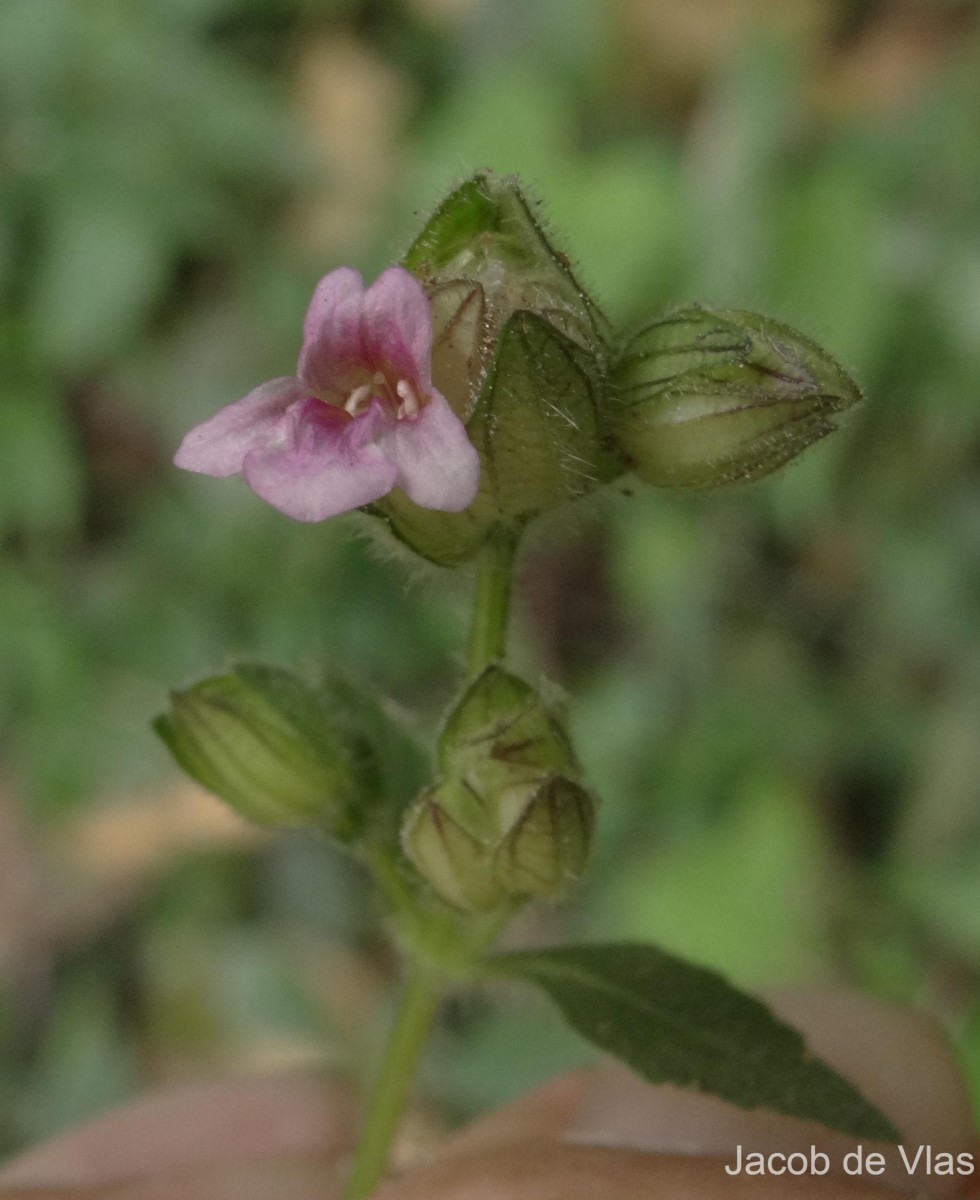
[420,1000]
[415,1015]
[488,632]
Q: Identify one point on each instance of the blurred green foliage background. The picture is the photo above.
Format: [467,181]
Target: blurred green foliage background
[776,691]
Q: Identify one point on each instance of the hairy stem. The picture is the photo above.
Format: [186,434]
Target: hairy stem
[488,632]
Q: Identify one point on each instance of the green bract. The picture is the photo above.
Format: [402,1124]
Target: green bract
[704,398]
[520,352]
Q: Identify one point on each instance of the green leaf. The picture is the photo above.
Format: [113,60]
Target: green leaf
[673,1022]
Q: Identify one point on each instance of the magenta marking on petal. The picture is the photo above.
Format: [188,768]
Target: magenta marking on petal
[333,361]
[331,464]
[397,327]
[314,420]
[438,465]
[219,445]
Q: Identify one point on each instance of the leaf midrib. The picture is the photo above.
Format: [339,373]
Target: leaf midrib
[568,971]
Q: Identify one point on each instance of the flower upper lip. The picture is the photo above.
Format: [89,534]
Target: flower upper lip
[359,418]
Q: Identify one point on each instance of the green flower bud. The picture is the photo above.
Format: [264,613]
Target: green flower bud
[546,850]
[456,865]
[509,819]
[705,398]
[488,234]
[261,740]
[519,350]
[541,853]
[501,735]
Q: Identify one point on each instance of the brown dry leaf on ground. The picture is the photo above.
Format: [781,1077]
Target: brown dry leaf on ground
[353,107]
[443,12]
[288,1138]
[894,59]
[672,48]
[124,840]
[26,919]
[99,862]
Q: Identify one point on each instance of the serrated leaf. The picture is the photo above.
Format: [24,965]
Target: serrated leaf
[673,1022]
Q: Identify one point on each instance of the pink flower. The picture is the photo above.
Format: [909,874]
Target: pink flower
[359,418]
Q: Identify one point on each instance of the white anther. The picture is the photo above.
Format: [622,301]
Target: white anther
[355,401]
[409,406]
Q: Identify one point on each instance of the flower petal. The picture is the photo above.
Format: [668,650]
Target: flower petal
[331,463]
[397,327]
[219,445]
[332,361]
[438,466]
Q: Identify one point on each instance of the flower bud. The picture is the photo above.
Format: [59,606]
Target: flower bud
[546,851]
[509,819]
[456,865]
[519,351]
[261,740]
[501,732]
[705,398]
[541,854]
[488,234]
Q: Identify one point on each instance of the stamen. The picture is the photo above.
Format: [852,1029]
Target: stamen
[356,400]
[410,405]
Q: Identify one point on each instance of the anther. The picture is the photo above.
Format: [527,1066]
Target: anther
[409,406]
[355,401]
